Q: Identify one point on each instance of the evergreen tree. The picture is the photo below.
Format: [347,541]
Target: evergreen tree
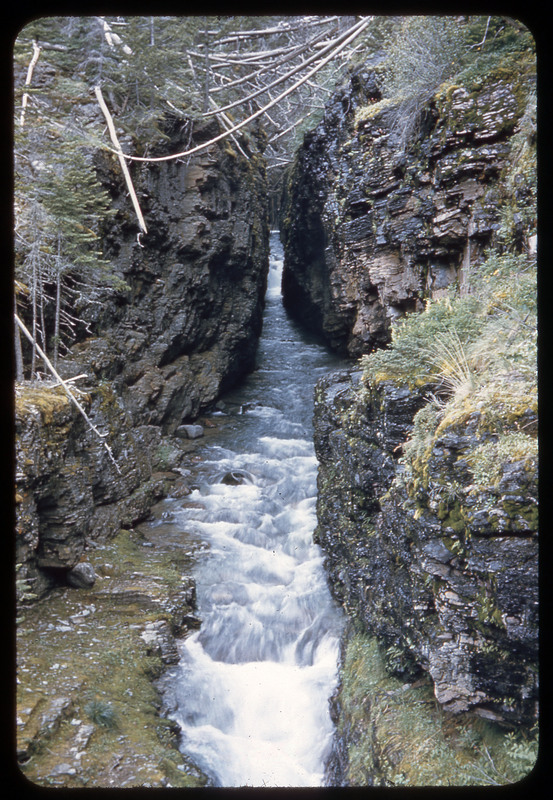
[146,69]
[59,203]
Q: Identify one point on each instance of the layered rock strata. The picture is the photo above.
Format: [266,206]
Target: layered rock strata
[370,230]
[188,326]
[446,579]
[181,326]
[68,488]
[435,559]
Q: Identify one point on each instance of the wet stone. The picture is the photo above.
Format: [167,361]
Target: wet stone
[234,478]
[189,431]
[181,490]
[63,769]
[82,576]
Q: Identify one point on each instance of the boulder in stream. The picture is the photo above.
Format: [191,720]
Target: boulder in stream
[189,431]
[234,478]
[81,576]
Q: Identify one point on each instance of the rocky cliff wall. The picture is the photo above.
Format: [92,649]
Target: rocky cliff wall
[188,326]
[161,350]
[445,579]
[448,583]
[68,489]
[427,503]
[370,230]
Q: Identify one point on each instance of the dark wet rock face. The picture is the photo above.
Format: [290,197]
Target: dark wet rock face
[161,350]
[188,327]
[370,231]
[69,490]
[448,584]
[435,562]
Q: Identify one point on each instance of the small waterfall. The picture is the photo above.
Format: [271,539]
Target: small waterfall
[253,683]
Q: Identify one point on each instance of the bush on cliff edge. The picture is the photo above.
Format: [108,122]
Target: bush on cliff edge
[474,353]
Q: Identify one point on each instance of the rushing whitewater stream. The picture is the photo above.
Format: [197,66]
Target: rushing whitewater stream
[252,687]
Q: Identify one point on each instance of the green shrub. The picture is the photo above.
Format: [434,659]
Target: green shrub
[398,734]
[486,460]
[101,713]
[496,48]
[477,356]
[468,341]
[23,587]
[522,754]
[423,53]
[412,354]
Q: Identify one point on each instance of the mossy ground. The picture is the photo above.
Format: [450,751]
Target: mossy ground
[46,400]
[399,736]
[84,647]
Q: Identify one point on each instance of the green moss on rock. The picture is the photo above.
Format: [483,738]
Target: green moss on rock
[398,735]
[71,640]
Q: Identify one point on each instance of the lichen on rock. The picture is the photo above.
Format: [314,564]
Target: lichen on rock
[428,496]
[441,572]
[371,231]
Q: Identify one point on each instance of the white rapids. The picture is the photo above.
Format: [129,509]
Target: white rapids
[254,681]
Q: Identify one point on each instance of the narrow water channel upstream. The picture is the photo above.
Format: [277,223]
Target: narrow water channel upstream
[252,687]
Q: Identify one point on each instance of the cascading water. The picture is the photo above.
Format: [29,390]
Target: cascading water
[253,683]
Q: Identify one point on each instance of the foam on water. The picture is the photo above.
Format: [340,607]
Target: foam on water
[254,682]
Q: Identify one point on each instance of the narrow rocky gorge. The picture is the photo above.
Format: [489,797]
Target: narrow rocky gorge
[427,484]
[183,328]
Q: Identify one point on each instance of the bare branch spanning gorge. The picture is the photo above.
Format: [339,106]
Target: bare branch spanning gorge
[143,75]
[330,52]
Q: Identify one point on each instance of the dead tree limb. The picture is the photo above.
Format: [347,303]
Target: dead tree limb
[67,390]
[28,79]
[120,155]
[282,28]
[353,32]
[226,123]
[289,74]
